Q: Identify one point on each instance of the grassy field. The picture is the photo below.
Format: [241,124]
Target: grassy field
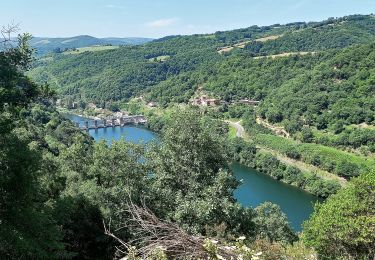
[309,150]
[232,132]
[91,49]
[268,38]
[161,58]
[286,54]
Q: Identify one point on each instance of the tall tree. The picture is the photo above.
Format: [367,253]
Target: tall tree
[27,228]
[192,180]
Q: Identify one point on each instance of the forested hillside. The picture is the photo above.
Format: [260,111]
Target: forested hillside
[130,71]
[322,75]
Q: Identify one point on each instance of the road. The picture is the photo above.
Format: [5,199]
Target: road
[239,127]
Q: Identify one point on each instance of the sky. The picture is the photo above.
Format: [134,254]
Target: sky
[158,18]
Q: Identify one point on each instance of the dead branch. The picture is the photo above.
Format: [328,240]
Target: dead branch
[7,31]
[151,234]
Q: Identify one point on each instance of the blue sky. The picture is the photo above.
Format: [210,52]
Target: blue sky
[157,18]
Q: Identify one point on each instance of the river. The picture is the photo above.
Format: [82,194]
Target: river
[255,187]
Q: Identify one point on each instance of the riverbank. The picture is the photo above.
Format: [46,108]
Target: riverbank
[266,162]
[255,188]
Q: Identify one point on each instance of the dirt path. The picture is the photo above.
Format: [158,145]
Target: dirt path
[278,130]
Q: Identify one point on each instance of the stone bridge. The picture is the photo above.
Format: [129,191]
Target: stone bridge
[113,122]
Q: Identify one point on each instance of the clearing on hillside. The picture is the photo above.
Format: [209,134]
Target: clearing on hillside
[161,58]
[242,44]
[90,49]
[225,49]
[268,38]
[286,54]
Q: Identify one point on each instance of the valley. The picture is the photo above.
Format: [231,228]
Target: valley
[251,143]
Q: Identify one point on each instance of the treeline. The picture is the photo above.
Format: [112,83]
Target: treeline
[355,137]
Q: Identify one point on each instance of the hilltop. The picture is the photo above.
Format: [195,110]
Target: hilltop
[44,45]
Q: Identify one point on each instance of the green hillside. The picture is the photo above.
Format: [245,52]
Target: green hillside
[315,76]
[131,70]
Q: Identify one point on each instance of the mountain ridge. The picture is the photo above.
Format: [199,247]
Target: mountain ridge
[45,45]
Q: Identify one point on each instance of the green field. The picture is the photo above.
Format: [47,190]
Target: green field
[90,49]
[232,132]
[310,151]
[161,58]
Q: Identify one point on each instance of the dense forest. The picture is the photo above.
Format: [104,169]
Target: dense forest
[133,70]
[64,196]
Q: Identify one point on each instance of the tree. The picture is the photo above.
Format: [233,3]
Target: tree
[193,184]
[15,88]
[307,135]
[272,224]
[81,223]
[27,228]
[274,115]
[347,169]
[343,227]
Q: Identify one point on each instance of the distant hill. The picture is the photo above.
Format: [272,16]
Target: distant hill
[128,71]
[44,45]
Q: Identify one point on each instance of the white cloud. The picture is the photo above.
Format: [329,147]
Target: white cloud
[162,23]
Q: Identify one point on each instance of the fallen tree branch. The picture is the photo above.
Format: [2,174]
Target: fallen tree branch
[152,234]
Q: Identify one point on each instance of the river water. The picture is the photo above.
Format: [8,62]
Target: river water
[255,187]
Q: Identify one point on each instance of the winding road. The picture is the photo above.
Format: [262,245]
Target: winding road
[239,127]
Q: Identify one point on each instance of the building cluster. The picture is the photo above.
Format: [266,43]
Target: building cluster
[120,114]
[249,102]
[207,102]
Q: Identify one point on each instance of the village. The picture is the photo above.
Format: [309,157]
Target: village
[205,101]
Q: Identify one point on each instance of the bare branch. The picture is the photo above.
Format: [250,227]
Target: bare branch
[151,234]
[7,31]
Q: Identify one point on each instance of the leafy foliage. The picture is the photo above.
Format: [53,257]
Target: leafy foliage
[272,224]
[343,227]
[192,178]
